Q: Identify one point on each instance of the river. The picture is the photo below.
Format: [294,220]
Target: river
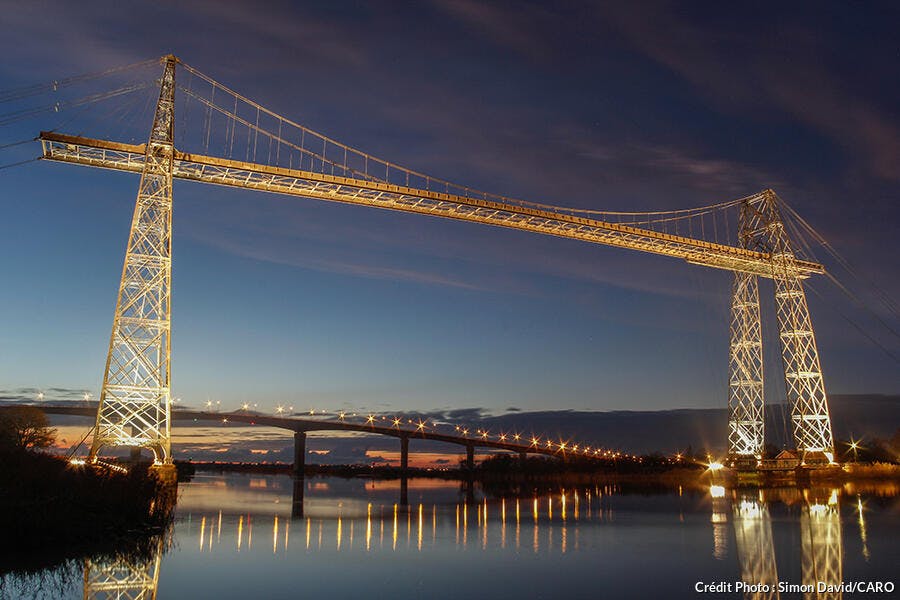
[242,536]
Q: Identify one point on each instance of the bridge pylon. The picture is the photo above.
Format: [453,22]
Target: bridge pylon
[746,421]
[762,228]
[134,405]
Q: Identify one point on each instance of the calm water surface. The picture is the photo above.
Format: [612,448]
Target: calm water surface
[241,536]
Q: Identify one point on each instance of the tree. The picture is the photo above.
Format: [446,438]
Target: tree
[25,428]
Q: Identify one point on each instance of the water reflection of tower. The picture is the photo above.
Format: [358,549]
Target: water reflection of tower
[821,543]
[755,548]
[820,529]
[719,522]
[124,578]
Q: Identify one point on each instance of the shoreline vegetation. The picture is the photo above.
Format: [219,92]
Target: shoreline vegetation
[53,512]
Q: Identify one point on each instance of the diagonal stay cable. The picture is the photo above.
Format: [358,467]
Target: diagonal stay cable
[19,93]
[26,113]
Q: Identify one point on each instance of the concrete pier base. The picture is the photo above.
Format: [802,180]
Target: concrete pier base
[404,454]
[404,470]
[299,453]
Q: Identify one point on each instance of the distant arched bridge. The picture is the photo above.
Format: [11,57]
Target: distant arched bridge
[301,426]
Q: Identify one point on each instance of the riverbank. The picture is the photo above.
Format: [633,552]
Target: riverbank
[52,511]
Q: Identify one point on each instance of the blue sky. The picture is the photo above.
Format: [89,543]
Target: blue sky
[644,107]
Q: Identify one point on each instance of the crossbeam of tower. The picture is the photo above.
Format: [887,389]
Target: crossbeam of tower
[134,406]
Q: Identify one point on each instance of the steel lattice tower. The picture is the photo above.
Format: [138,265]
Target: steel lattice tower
[762,226]
[134,401]
[746,420]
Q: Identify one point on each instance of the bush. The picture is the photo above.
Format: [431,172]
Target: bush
[25,428]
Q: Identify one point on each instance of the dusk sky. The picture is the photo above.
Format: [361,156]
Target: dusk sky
[615,106]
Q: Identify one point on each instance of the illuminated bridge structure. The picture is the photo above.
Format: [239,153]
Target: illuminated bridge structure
[301,427]
[242,144]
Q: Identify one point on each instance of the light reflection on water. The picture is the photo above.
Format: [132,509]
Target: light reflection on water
[348,538]
[419,525]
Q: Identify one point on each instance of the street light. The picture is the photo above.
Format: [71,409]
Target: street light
[854,445]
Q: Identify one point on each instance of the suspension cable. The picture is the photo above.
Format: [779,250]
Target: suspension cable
[256,130]
[19,143]
[26,113]
[886,299]
[20,163]
[19,93]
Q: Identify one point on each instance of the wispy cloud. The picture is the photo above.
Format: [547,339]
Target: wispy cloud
[787,65]
[52,394]
[518,30]
[287,255]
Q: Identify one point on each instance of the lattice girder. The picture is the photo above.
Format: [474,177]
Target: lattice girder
[293,182]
